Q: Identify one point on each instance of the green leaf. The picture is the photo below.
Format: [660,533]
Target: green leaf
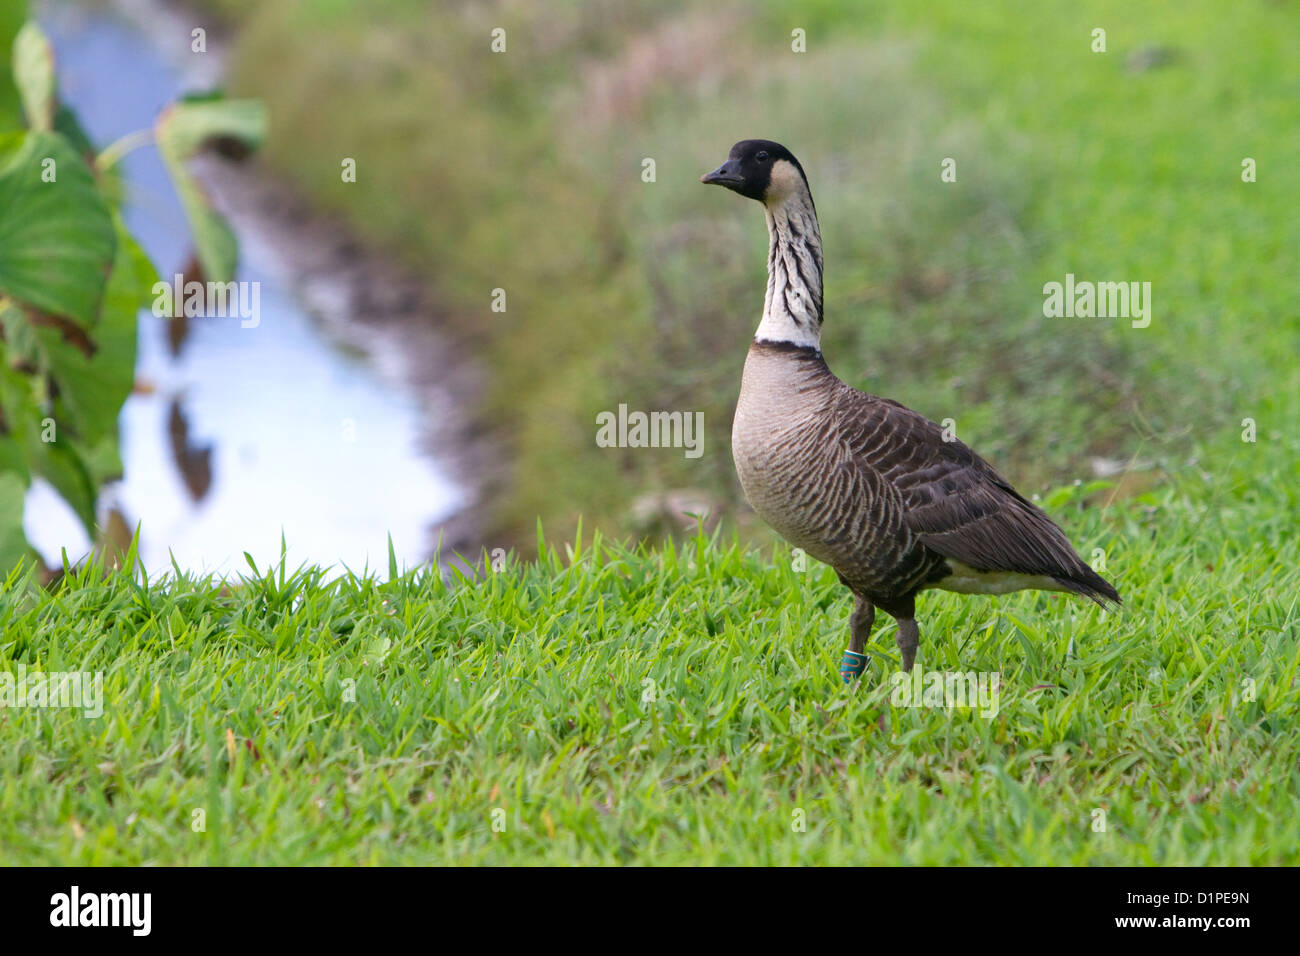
[17,417]
[56,238]
[91,386]
[20,418]
[1059,497]
[92,389]
[190,123]
[12,16]
[62,463]
[66,122]
[13,460]
[102,460]
[25,450]
[34,75]
[13,543]
[19,337]
[181,130]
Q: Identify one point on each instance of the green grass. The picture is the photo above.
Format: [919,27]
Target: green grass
[526,694]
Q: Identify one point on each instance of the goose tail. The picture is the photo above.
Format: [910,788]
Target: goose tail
[1091,585]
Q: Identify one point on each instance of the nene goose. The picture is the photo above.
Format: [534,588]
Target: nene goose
[862,483]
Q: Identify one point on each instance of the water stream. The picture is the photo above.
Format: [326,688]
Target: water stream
[307,425]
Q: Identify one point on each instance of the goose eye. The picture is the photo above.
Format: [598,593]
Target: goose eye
[762,156]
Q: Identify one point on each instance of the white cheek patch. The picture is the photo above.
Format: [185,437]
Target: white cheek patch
[785,182]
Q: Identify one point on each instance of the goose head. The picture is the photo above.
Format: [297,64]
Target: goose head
[761,169]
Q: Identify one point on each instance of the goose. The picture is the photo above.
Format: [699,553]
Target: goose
[864,484]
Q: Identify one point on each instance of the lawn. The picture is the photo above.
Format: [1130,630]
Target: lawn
[667,706]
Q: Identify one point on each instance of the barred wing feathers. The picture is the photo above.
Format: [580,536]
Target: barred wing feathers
[955,502]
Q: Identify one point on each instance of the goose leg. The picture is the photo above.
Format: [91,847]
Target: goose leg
[909,637]
[854,661]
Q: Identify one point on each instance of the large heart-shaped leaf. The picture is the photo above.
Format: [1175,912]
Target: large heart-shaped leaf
[93,387]
[34,75]
[181,130]
[92,377]
[56,230]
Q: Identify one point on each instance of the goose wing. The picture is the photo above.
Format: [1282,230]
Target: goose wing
[954,501]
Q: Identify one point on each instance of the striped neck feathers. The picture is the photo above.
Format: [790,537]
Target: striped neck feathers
[792,310]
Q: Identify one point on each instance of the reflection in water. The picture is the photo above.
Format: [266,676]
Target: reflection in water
[194,464]
[178,329]
[236,435]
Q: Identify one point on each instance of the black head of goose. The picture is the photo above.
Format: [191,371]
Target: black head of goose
[862,483]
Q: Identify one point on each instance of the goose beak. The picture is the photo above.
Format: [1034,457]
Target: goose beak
[728,174]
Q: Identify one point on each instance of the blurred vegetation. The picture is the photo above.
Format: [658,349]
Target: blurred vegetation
[73,279]
[522,171]
[71,282]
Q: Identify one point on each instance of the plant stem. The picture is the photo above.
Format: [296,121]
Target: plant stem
[114,152]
